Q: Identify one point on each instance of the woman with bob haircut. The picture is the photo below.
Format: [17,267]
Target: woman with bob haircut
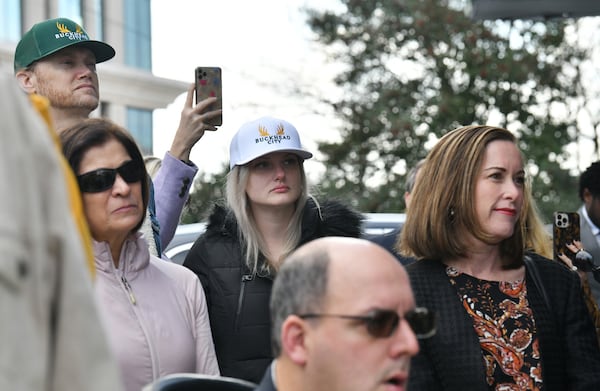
[154,311]
[507,318]
[268,214]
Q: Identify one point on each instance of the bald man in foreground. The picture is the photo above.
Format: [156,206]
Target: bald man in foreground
[344,319]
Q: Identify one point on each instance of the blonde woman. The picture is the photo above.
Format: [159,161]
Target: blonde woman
[268,214]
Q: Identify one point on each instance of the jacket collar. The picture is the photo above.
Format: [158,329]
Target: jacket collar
[134,255]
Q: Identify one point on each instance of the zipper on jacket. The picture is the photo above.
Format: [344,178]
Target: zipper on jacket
[128,289]
[238,313]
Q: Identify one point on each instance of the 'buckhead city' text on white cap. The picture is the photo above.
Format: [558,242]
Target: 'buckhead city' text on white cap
[262,136]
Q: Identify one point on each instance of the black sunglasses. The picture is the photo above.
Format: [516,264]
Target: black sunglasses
[585,262]
[383,323]
[104,178]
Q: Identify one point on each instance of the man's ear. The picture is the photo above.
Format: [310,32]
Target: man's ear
[294,333]
[587,196]
[26,80]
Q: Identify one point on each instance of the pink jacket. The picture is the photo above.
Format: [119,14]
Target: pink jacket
[155,315]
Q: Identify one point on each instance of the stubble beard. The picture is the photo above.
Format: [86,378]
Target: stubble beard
[66,100]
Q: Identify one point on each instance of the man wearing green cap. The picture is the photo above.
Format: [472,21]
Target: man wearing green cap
[57,59]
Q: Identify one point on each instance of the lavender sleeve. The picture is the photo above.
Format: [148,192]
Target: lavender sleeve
[172,185]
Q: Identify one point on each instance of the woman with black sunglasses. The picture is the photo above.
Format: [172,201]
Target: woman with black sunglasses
[508,319]
[155,311]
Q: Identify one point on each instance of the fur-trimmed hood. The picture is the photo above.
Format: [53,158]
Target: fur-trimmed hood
[329,218]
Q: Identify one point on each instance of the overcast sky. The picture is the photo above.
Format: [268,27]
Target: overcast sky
[265,50]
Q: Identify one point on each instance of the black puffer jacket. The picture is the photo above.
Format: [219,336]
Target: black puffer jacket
[238,302]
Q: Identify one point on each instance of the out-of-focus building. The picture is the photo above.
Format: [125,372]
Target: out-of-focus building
[128,90]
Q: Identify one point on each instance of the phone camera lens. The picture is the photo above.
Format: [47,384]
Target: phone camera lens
[562,221]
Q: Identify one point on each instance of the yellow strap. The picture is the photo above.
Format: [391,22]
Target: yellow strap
[41,104]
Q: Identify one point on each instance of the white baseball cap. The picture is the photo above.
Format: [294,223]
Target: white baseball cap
[262,136]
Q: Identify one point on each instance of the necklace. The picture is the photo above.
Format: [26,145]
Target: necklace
[453,271]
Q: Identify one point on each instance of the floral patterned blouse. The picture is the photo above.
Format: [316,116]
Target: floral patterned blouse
[506,329]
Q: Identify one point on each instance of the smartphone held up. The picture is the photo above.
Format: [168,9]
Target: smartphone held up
[565,229]
[209,84]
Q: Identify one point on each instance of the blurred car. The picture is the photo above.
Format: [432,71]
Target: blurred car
[382,223]
[184,238]
[186,234]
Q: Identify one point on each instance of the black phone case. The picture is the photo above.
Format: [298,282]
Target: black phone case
[565,229]
[209,84]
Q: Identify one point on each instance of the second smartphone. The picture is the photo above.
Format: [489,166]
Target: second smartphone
[565,229]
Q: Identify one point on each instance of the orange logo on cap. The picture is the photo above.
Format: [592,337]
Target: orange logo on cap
[62,28]
[280,130]
[65,30]
[263,131]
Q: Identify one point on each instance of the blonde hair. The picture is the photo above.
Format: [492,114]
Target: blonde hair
[442,216]
[537,239]
[152,164]
[253,244]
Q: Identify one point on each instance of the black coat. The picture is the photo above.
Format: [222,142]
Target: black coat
[238,301]
[388,241]
[452,359]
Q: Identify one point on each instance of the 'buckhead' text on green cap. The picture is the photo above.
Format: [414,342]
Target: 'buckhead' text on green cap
[52,35]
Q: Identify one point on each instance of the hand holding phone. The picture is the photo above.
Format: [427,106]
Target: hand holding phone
[209,84]
[565,229]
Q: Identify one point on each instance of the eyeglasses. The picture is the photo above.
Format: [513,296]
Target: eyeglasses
[585,262]
[383,323]
[104,178]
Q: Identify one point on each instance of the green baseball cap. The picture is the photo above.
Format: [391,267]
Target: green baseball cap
[52,35]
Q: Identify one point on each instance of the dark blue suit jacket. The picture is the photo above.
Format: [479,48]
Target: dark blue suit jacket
[266,384]
[452,359]
[388,241]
